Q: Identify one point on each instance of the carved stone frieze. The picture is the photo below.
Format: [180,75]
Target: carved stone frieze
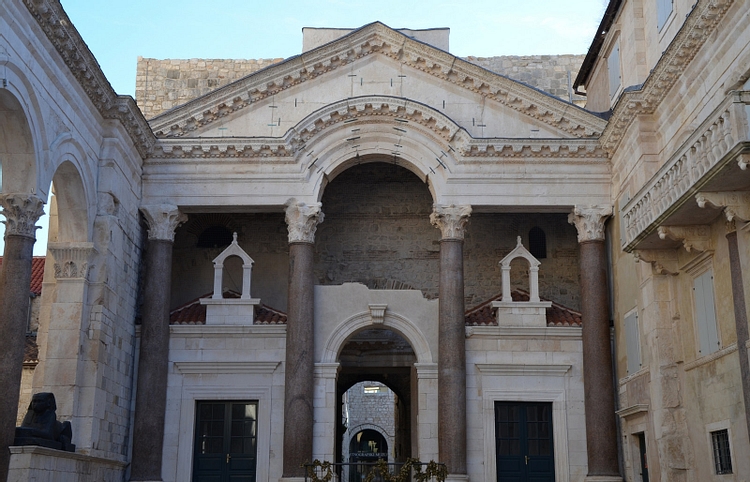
[663,261]
[699,26]
[222,149]
[162,220]
[450,219]
[530,149]
[377,39]
[302,221]
[72,260]
[589,221]
[673,184]
[21,212]
[693,238]
[736,204]
[56,25]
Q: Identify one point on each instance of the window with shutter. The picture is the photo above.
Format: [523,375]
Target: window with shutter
[613,64]
[633,341]
[705,313]
[663,9]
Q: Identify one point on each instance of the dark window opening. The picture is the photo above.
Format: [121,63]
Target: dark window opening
[215,237]
[537,243]
[722,456]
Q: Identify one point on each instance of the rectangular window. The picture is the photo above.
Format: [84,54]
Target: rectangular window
[613,64]
[705,313]
[722,456]
[633,341]
[663,9]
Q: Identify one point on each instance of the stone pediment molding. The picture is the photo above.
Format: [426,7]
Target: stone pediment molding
[736,204]
[698,27]
[693,238]
[376,39]
[59,30]
[247,269]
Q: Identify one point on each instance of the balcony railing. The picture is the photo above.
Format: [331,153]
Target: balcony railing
[375,471]
[714,144]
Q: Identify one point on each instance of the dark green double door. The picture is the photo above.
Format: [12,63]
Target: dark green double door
[523,434]
[225,441]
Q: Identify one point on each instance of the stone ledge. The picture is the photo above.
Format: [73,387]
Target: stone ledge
[704,360]
[529,332]
[31,462]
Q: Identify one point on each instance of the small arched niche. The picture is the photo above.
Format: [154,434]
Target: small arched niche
[521,313]
[231,310]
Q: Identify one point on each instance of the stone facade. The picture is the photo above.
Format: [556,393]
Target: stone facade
[370,406]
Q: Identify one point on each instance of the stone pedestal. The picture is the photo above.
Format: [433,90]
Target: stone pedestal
[21,212]
[451,221]
[599,394]
[153,358]
[302,221]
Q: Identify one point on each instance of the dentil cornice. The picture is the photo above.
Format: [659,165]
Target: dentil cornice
[698,27]
[377,39]
[56,25]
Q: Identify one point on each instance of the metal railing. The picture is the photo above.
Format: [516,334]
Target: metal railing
[380,471]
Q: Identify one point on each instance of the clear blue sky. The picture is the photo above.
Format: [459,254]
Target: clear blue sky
[118,31]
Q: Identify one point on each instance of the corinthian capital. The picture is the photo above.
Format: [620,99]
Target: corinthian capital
[162,220]
[302,220]
[450,219]
[21,212]
[589,221]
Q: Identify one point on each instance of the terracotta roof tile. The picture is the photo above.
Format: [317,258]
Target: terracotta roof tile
[557,315]
[37,273]
[194,313]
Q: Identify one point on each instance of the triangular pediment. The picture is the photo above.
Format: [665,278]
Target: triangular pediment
[377,60]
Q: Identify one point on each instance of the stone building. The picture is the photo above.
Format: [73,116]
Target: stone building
[376,209]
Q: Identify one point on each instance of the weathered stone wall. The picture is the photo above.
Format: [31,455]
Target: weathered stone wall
[377,232]
[553,74]
[376,411]
[163,84]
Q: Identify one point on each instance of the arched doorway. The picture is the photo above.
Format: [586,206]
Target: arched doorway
[370,359]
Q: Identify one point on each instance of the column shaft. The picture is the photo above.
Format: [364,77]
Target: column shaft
[740,320]
[153,363]
[14,313]
[299,367]
[601,431]
[452,358]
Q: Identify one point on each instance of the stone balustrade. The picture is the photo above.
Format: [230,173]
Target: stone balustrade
[712,146]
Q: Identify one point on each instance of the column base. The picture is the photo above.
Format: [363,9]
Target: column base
[603,478]
[457,478]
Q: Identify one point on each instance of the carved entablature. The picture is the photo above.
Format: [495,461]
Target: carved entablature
[378,39]
[693,238]
[58,28]
[736,204]
[450,219]
[663,261]
[582,150]
[162,220]
[73,261]
[705,153]
[589,221]
[302,221]
[701,22]
[268,148]
[21,212]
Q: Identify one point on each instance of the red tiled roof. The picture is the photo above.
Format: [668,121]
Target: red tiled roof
[557,315]
[194,313]
[37,273]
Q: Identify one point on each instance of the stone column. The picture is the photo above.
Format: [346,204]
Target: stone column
[21,212]
[153,358]
[451,220]
[302,221]
[740,316]
[599,391]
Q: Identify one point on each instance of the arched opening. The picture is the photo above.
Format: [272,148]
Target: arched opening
[17,156]
[537,243]
[232,275]
[377,230]
[374,392]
